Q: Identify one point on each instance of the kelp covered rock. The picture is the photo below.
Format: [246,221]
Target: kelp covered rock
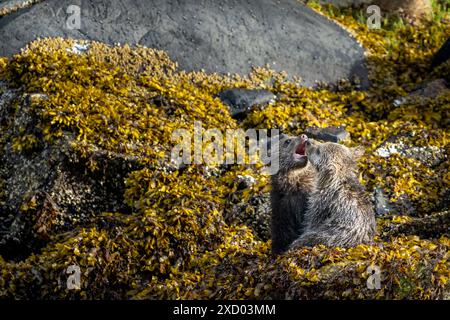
[9,6]
[223,36]
[53,191]
[172,234]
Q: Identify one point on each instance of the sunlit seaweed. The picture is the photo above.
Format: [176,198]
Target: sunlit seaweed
[176,243]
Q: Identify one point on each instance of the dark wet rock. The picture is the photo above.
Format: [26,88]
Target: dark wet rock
[226,36]
[35,98]
[50,188]
[424,92]
[53,190]
[446,200]
[245,182]
[402,144]
[404,206]
[7,97]
[255,214]
[241,100]
[442,55]
[430,227]
[431,89]
[382,205]
[332,134]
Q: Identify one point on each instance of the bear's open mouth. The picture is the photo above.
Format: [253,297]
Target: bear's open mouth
[300,151]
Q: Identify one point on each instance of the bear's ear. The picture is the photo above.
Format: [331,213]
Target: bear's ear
[357,152]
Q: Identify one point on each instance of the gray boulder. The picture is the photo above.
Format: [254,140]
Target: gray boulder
[241,100]
[332,133]
[223,36]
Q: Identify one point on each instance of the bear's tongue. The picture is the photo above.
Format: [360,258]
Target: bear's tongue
[300,150]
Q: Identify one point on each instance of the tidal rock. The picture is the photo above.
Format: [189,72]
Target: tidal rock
[240,101]
[332,133]
[245,181]
[46,188]
[431,89]
[442,55]
[35,98]
[382,205]
[403,145]
[433,226]
[445,203]
[53,190]
[223,36]
[424,92]
[255,214]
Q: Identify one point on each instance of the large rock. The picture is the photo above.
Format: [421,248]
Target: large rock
[442,55]
[50,188]
[224,36]
[429,227]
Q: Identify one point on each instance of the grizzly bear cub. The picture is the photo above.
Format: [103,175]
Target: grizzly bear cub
[291,186]
[339,213]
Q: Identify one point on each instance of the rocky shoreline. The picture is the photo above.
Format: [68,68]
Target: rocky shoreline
[86,177]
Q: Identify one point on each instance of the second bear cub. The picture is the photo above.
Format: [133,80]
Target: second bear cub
[339,213]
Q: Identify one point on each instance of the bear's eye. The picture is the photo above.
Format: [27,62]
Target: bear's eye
[286,142]
[317,151]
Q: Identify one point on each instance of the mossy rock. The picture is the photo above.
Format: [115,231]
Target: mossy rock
[216,36]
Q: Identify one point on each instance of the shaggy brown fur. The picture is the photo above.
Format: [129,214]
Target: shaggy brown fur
[291,187]
[339,212]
